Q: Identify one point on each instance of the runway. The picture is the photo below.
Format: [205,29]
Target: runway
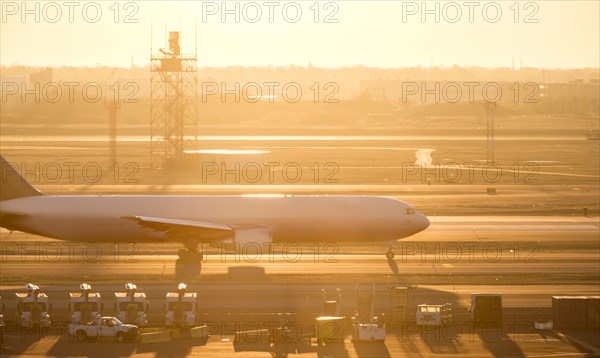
[450,246]
[407,264]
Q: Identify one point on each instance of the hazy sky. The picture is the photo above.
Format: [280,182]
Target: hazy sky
[372,33]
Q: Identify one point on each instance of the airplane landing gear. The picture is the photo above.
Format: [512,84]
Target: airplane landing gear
[390,253]
[189,263]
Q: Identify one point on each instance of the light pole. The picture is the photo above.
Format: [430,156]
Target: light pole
[490,108]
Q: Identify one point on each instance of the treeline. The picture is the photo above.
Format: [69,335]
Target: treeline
[353,74]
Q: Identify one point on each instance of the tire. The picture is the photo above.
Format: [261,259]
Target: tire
[390,255]
[81,336]
[187,268]
[120,337]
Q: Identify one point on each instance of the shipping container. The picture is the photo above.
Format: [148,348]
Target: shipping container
[486,308]
[330,329]
[594,312]
[570,311]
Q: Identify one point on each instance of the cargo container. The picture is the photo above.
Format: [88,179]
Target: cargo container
[330,329]
[594,312]
[486,308]
[570,311]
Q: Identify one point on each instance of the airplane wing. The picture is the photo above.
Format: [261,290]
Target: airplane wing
[179,228]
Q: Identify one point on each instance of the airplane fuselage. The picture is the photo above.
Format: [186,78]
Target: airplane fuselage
[92,218]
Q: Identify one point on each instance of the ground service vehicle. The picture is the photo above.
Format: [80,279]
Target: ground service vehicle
[85,306]
[434,315]
[131,306]
[32,308]
[180,307]
[106,326]
[366,326]
[1,322]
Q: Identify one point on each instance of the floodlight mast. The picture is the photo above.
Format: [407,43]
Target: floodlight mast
[181,288]
[85,291]
[131,288]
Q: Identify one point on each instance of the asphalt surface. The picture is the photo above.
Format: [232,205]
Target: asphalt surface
[451,245]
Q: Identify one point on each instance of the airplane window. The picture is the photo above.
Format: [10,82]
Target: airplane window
[409,211]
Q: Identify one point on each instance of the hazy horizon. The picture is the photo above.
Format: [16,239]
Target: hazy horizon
[545,34]
[308,66]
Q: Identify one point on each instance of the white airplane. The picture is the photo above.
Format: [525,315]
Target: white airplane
[195,219]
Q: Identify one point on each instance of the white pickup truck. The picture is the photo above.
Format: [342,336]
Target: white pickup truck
[104,327]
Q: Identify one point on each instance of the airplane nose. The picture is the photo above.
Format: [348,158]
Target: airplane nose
[421,223]
[425,222]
